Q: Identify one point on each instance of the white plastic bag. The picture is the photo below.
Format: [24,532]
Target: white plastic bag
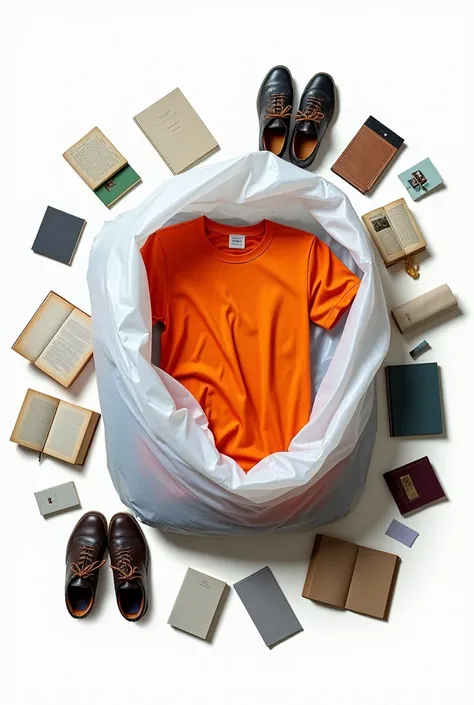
[161,455]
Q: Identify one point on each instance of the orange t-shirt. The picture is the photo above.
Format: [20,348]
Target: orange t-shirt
[236,324]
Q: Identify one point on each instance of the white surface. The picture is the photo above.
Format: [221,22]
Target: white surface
[409,72]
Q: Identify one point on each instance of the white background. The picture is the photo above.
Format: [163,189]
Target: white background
[100,66]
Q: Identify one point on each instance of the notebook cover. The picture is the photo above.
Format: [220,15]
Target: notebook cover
[421,179]
[367,155]
[57,499]
[117,186]
[371,585]
[196,604]
[268,607]
[176,131]
[414,486]
[330,571]
[414,401]
[58,235]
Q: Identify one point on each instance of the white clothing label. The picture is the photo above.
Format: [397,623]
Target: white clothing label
[237,242]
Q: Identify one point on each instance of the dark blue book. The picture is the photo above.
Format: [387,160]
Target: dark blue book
[414,400]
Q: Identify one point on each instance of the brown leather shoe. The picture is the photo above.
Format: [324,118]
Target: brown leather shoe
[129,558]
[84,556]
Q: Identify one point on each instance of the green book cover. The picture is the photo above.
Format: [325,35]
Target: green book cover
[414,399]
[118,185]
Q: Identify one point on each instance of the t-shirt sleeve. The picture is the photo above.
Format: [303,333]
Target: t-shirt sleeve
[331,286]
[155,265]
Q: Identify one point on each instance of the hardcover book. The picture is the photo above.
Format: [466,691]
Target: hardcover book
[421,179]
[196,605]
[268,607]
[57,339]
[351,577]
[414,399]
[394,232]
[103,168]
[176,131]
[58,235]
[414,486]
[57,499]
[55,427]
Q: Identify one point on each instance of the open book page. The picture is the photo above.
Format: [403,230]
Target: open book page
[69,350]
[35,420]
[95,158]
[67,431]
[405,227]
[44,325]
[384,236]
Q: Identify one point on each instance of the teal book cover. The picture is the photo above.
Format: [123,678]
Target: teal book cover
[414,399]
[421,179]
[117,186]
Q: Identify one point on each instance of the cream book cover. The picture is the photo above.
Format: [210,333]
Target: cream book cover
[176,131]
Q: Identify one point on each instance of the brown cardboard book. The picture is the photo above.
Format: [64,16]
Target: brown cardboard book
[352,577]
[57,339]
[176,131]
[394,231]
[55,427]
[95,158]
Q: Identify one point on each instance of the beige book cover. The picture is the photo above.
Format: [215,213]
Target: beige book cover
[95,158]
[176,131]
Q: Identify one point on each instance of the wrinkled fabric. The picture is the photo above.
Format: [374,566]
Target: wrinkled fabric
[161,454]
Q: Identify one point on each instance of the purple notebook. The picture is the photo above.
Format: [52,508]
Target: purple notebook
[414,486]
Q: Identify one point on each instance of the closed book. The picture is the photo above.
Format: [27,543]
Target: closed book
[414,486]
[57,499]
[196,604]
[414,399]
[268,607]
[176,131]
[58,235]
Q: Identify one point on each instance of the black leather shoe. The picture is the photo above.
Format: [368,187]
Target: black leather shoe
[84,556]
[129,558]
[274,106]
[312,119]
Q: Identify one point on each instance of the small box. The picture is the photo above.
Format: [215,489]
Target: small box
[57,499]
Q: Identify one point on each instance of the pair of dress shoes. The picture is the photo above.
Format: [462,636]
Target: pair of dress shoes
[129,559]
[275,106]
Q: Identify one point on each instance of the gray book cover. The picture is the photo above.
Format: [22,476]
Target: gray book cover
[197,602]
[268,607]
[58,235]
[57,499]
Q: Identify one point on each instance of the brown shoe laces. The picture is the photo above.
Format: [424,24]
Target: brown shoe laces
[313,111]
[276,107]
[85,565]
[125,569]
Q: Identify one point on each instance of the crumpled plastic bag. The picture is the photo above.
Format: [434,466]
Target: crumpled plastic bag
[161,455]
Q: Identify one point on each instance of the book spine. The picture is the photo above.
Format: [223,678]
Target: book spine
[308,583]
[387,384]
[155,147]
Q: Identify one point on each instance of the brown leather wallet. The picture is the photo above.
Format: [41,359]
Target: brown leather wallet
[367,155]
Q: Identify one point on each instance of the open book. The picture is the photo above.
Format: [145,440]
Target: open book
[57,339]
[55,427]
[395,232]
[351,577]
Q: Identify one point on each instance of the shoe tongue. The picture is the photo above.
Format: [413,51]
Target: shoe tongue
[127,585]
[80,583]
[276,123]
[307,127]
